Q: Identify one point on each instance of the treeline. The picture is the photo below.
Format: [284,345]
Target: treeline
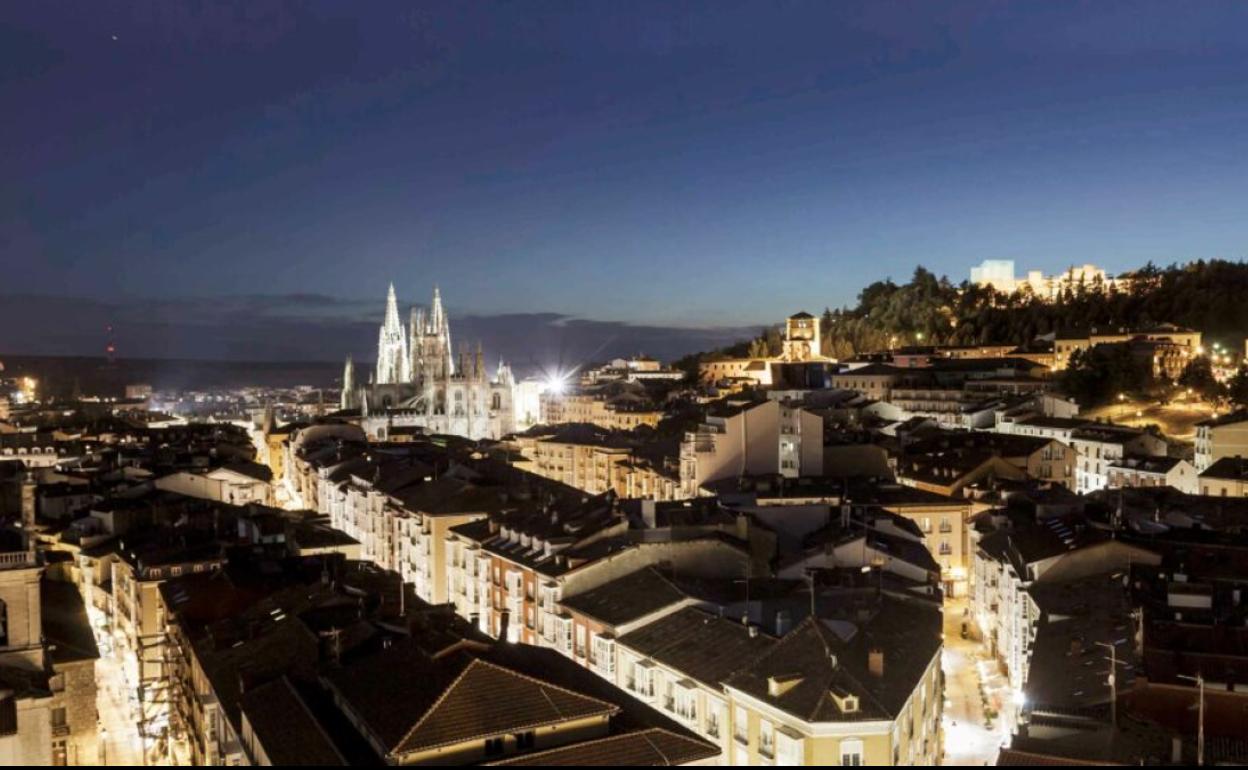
[930,310]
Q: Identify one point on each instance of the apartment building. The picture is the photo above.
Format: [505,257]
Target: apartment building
[744,438]
[597,461]
[1225,436]
[864,688]
[1227,477]
[1019,552]
[1145,471]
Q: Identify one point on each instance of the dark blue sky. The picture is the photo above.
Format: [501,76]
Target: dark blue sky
[674,164]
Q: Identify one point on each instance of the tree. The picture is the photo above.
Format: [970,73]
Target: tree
[1198,375]
[1237,389]
[1098,375]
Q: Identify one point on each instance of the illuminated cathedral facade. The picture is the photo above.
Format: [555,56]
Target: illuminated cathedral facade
[420,382]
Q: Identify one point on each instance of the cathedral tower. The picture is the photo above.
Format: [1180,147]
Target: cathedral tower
[392,357]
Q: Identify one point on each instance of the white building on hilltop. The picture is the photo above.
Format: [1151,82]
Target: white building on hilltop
[420,383]
[999,274]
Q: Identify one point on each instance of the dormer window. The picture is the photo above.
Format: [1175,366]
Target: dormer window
[845,701]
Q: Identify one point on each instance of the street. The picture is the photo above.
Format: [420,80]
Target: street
[119,735]
[969,740]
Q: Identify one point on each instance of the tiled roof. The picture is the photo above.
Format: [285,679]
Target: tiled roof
[628,598]
[285,728]
[699,645]
[1227,468]
[644,747]
[488,699]
[413,702]
[824,659]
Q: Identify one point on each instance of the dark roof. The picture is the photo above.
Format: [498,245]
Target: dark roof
[824,659]
[1062,423]
[654,746]
[626,599]
[285,727]
[1227,468]
[413,702]
[705,647]
[256,471]
[1146,464]
[1227,419]
[872,370]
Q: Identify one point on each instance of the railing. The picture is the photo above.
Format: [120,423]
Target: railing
[17,559]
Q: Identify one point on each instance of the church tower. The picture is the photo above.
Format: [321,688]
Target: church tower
[347,401]
[392,358]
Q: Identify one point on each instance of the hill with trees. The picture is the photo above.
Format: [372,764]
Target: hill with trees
[930,310]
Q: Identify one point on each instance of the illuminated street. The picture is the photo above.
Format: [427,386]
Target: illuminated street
[119,737]
[968,738]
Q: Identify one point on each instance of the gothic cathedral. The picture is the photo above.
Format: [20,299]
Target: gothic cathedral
[419,382]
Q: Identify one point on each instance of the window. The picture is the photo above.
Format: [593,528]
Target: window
[741,725]
[714,715]
[766,739]
[494,746]
[526,740]
[851,753]
[604,655]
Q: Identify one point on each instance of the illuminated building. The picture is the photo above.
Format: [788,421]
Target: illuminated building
[419,383]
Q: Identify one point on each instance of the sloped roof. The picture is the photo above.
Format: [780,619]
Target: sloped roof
[643,747]
[698,644]
[628,598]
[285,727]
[487,699]
[828,656]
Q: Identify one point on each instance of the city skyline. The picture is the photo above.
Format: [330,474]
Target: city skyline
[668,383]
[616,168]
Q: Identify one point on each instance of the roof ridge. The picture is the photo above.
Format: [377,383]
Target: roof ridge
[644,733]
[407,736]
[542,685]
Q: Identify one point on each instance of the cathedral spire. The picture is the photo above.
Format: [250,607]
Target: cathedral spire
[347,400]
[392,310]
[392,358]
[437,316]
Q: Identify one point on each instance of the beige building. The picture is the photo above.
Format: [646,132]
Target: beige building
[825,695]
[1186,342]
[236,484]
[1225,436]
[1144,471]
[585,408]
[594,463]
[802,343]
[751,439]
[875,381]
[1227,477]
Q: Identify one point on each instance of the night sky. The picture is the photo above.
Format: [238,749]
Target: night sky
[214,179]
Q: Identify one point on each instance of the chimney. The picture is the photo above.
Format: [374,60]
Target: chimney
[783,622]
[875,662]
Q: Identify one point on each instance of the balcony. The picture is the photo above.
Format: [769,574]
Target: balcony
[18,559]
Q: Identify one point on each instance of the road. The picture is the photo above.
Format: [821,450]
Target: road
[119,735]
[970,737]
